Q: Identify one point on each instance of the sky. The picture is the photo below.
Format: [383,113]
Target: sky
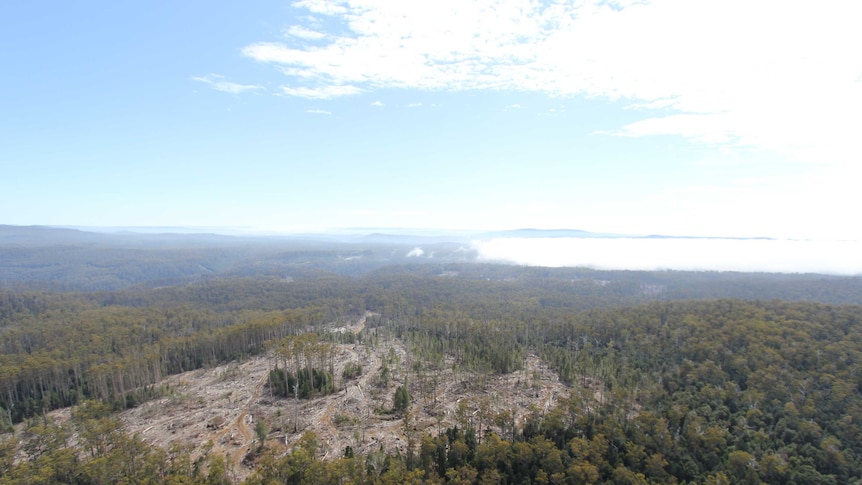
[717,118]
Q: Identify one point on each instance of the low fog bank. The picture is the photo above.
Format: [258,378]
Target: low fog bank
[753,255]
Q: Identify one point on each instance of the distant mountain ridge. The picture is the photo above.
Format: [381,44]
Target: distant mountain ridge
[530,233]
[53,235]
[41,257]
[546,233]
[43,235]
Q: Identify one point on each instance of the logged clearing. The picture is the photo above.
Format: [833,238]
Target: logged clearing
[219,408]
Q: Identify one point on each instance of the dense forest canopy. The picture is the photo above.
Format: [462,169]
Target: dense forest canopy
[701,377]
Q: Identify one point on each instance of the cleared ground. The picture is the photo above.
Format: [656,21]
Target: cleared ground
[220,407]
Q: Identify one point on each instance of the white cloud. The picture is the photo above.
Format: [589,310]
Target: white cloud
[709,128]
[377,103]
[218,83]
[415,253]
[304,33]
[778,75]
[323,92]
[415,105]
[788,256]
[325,7]
[316,111]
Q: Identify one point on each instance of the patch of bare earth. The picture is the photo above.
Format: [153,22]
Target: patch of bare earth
[219,407]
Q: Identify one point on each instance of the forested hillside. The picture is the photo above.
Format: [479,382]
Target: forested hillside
[45,258]
[709,390]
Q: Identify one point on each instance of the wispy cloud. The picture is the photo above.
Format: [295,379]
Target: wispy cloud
[304,33]
[321,92]
[377,103]
[415,105]
[217,82]
[316,111]
[725,71]
[325,7]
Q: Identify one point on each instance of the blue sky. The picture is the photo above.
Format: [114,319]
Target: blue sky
[707,118]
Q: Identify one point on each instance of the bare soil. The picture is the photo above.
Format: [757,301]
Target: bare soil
[219,407]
